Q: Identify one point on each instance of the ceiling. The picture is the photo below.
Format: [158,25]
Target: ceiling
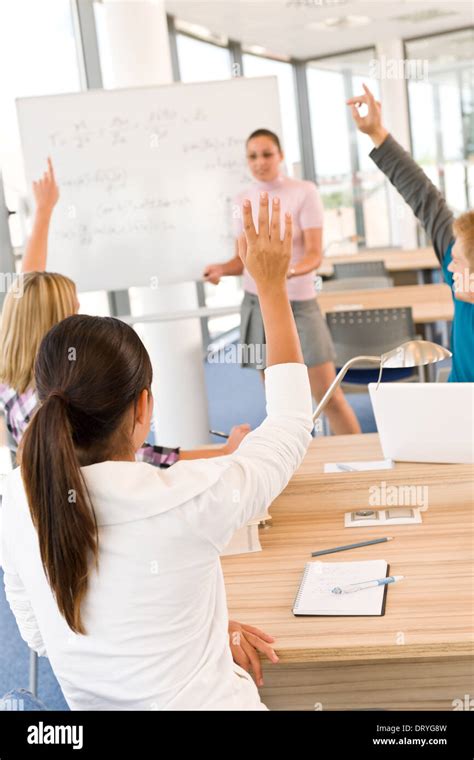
[313,28]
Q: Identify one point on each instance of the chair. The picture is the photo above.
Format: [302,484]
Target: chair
[370,332]
[358,283]
[21,700]
[360,269]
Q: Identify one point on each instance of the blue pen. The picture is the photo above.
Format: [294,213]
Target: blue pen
[366,584]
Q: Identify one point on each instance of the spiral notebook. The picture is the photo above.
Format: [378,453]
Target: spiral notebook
[315,597]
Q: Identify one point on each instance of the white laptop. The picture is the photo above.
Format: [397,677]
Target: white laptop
[425,422]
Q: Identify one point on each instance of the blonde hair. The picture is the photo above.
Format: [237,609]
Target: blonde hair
[29,311]
[463,229]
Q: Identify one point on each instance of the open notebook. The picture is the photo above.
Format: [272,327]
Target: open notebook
[315,598]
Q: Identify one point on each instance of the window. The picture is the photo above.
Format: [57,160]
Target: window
[442,113]
[37,57]
[352,188]
[201,61]
[256,66]
[38,50]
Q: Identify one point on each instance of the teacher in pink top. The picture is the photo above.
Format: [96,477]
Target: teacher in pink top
[302,200]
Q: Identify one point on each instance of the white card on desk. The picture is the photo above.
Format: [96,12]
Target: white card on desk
[379,464]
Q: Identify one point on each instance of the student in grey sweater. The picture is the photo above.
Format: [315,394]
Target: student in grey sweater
[453,240]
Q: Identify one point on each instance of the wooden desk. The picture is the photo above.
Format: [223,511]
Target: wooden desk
[429,303]
[396,260]
[419,654]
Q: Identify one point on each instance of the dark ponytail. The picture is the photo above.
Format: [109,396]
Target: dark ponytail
[88,373]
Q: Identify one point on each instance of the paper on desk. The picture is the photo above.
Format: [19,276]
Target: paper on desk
[378,464]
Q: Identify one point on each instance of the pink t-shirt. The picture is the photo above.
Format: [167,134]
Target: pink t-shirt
[301,198]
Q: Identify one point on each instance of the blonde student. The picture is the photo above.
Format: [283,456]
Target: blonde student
[112,567]
[44,299]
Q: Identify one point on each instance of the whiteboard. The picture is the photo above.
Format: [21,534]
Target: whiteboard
[147,176]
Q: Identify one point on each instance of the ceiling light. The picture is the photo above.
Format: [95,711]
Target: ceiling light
[340,22]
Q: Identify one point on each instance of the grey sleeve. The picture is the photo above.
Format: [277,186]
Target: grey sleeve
[418,191]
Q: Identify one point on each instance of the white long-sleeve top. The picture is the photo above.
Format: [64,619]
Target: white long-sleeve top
[155,612]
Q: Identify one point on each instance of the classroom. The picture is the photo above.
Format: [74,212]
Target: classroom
[236,356]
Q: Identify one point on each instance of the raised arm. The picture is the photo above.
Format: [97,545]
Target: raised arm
[267,259]
[46,194]
[259,470]
[406,176]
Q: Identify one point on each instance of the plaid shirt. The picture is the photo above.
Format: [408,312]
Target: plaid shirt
[18,409]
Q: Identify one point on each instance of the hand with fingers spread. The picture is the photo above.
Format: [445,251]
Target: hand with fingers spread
[265,255]
[245,644]
[267,258]
[46,191]
[371,123]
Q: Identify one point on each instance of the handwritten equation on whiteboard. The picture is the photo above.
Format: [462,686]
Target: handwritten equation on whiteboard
[119,130]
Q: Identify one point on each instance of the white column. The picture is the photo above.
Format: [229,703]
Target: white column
[134,52]
[396,119]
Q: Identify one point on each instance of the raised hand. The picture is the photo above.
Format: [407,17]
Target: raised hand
[46,191]
[371,123]
[265,255]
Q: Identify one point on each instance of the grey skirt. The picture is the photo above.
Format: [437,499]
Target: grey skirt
[313,332]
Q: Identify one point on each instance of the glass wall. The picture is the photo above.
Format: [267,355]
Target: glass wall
[442,113]
[354,192]
[38,56]
[201,61]
[32,45]
[257,66]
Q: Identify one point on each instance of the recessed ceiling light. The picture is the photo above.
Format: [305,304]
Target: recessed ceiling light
[428,14]
[199,31]
[340,22]
[255,49]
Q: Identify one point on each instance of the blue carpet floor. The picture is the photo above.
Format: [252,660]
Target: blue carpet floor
[224,382]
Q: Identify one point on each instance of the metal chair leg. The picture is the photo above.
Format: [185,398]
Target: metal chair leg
[33,673]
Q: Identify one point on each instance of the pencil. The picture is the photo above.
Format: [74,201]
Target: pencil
[351,546]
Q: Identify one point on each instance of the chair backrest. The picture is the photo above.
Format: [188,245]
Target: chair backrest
[369,331]
[360,269]
[358,283]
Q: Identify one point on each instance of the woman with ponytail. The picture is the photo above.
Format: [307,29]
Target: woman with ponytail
[112,566]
